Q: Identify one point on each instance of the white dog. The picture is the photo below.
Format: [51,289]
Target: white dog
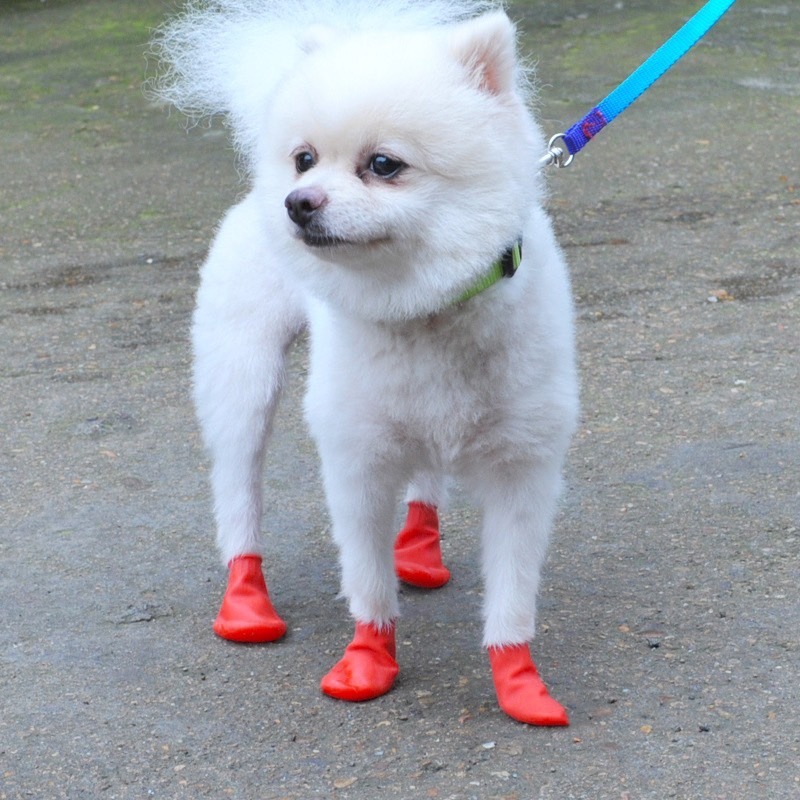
[394,174]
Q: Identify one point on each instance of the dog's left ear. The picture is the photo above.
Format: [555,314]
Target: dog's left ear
[486,47]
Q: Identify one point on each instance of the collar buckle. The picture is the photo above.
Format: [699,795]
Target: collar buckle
[504,267]
[511,260]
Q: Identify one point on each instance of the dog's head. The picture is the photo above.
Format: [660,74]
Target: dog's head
[400,164]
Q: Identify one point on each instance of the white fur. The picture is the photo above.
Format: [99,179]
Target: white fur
[406,386]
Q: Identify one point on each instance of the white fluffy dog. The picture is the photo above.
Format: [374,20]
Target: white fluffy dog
[393,167]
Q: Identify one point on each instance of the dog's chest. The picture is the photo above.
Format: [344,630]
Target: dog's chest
[441,374]
[441,384]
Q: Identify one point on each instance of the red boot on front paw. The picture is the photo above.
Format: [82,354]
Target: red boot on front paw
[520,690]
[417,552]
[247,614]
[367,669]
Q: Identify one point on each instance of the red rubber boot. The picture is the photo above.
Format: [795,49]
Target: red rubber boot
[368,667]
[520,690]
[417,553]
[247,614]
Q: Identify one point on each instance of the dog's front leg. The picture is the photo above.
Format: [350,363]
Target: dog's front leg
[361,498]
[519,509]
[245,319]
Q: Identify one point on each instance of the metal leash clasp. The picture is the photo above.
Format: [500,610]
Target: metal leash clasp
[557,155]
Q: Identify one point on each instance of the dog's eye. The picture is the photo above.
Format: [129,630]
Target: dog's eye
[304,161]
[385,166]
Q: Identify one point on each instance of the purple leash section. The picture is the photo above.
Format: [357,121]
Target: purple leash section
[583,131]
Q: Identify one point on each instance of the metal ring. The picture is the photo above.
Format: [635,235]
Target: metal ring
[557,153]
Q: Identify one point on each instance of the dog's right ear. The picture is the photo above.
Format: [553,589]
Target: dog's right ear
[486,47]
[315,37]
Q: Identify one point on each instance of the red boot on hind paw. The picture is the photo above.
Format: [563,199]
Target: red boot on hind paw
[247,614]
[367,669]
[520,690]
[417,551]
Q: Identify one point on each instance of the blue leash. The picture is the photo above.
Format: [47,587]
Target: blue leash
[635,84]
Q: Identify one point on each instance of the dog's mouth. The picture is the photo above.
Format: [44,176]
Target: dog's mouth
[319,240]
[313,239]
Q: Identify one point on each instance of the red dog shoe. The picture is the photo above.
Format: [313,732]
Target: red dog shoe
[367,669]
[247,614]
[520,690]
[417,552]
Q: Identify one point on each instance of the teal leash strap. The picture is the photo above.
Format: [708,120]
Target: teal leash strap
[583,131]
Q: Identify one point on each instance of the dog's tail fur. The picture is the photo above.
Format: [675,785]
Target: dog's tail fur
[226,56]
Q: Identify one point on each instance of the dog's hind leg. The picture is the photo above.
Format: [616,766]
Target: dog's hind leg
[417,549]
[519,509]
[245,319]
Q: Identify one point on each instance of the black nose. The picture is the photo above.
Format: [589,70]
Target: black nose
[302,204]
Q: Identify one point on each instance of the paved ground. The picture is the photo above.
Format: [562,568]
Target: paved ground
[669,622]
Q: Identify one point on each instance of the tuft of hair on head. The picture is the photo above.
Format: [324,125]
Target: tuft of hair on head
[225,57]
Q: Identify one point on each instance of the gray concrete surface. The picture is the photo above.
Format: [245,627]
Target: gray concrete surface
[669,614]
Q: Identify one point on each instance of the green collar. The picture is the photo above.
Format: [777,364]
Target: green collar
[504,267]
